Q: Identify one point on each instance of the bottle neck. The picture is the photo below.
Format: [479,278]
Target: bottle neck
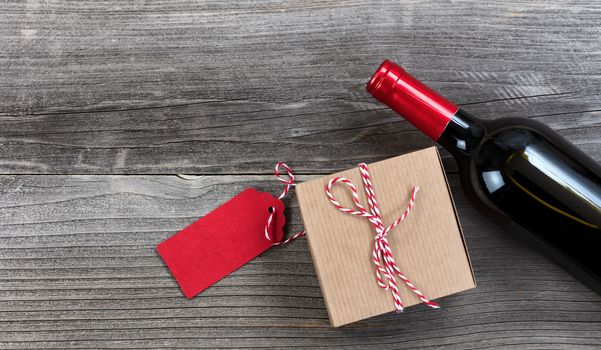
[435,116]
[407,96]
[462,134]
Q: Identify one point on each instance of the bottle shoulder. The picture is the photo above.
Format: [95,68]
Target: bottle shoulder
[504,126]
[518,155]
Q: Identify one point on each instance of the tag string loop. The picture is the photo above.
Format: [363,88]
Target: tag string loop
[288,184]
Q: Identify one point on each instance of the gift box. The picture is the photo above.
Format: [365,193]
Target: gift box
[427,247]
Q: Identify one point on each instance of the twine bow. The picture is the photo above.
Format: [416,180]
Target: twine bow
[382,254]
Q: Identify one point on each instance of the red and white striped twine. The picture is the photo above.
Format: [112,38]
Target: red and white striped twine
[289,182]
[382,254]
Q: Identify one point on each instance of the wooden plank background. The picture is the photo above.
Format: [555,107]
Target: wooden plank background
[103,103]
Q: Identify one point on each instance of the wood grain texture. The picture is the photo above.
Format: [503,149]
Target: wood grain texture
[226,89]
[78,269]
[216,87]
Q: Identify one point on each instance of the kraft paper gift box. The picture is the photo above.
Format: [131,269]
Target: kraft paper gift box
[428,246]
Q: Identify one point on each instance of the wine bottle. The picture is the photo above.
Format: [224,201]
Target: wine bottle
[516,171]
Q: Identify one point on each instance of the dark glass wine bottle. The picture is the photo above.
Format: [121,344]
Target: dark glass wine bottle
[516,171]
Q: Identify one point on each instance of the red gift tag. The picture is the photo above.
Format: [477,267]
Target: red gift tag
[223,240]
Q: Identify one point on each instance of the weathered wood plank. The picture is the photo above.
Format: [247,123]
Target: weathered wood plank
[78,269]
[229,88]
[214,87]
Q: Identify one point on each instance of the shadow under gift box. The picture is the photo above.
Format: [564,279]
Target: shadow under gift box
[428,245]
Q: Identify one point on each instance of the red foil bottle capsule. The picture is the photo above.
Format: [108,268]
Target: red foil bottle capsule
[424,108]
[516,171]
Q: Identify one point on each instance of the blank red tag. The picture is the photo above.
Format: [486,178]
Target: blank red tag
[222,241]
